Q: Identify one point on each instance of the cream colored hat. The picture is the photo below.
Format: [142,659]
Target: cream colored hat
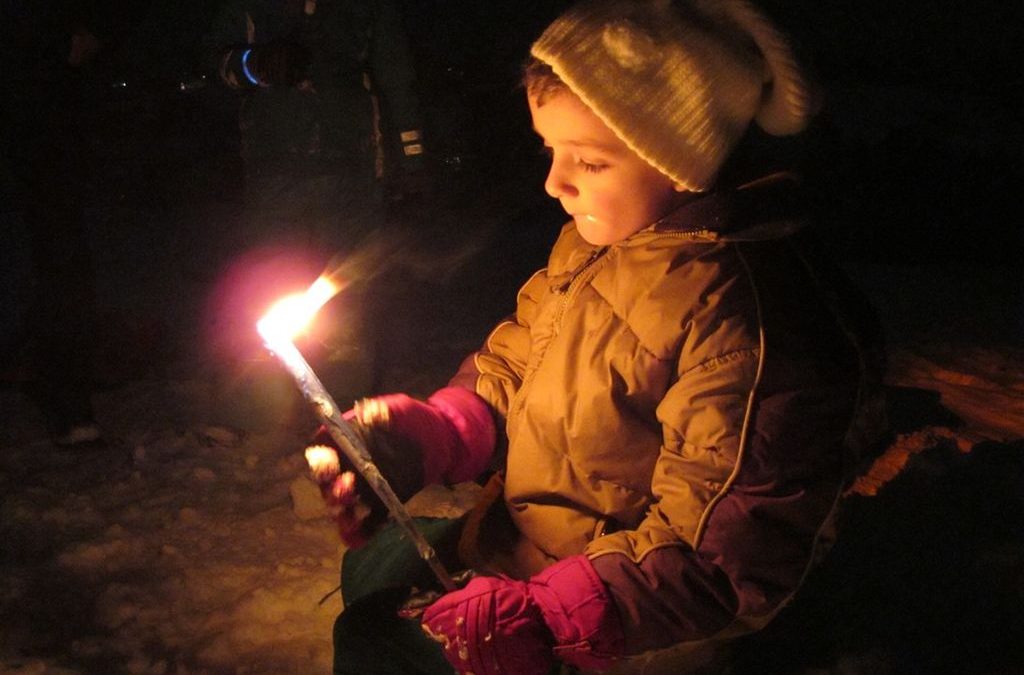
[679,80]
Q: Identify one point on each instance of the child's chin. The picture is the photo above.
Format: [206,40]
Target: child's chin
[595,233]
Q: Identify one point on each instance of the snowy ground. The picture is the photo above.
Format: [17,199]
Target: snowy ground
[193,543]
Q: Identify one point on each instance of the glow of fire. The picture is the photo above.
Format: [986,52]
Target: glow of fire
[292,314]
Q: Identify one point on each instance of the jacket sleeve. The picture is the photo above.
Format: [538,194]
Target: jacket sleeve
[743,489]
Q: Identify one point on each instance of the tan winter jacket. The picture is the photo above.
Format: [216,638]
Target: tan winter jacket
[676,407]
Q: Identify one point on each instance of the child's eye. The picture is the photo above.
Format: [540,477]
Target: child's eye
[590,167]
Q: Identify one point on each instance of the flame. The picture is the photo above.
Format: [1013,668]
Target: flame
[292,314]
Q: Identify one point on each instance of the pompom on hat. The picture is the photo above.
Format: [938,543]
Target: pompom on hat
[679,81]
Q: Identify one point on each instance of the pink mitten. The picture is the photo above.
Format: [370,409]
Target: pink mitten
[500,625]
[449,438]
[452,433]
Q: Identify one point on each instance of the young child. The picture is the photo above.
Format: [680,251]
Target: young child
[671,410]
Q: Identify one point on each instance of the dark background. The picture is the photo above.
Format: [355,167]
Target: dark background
[919,146]
[921,138]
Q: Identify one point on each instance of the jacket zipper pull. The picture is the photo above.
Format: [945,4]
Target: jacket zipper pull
[594,255]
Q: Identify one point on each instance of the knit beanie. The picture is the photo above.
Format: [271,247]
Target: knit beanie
[679,81]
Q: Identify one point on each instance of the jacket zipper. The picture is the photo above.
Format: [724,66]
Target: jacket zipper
[580,269]
[703,233]
[563,290]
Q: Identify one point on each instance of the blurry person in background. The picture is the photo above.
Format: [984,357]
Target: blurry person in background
[46,47]
[330,126]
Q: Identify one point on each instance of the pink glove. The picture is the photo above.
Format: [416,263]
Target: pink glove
[448,438]
[452,432]
[496,625]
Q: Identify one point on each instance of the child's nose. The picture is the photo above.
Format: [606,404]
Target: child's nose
[558,184]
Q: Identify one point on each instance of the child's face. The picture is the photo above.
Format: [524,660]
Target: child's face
[607,188]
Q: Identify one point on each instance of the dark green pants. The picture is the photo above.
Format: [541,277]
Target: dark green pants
[369,636]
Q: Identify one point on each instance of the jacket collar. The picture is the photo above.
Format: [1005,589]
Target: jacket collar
[765,209]
[768,208]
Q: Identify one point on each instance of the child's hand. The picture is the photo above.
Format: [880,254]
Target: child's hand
[339,491]
[350,500]
[500,625]
[347,509]
[449,437]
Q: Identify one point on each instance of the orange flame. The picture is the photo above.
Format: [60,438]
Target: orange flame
[292,314]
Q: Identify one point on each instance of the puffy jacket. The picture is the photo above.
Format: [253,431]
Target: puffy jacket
[678,407]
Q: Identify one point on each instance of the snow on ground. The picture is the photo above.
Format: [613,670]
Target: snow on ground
[176,550]
[184,547]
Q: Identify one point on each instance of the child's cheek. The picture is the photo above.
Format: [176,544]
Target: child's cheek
[602,207]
